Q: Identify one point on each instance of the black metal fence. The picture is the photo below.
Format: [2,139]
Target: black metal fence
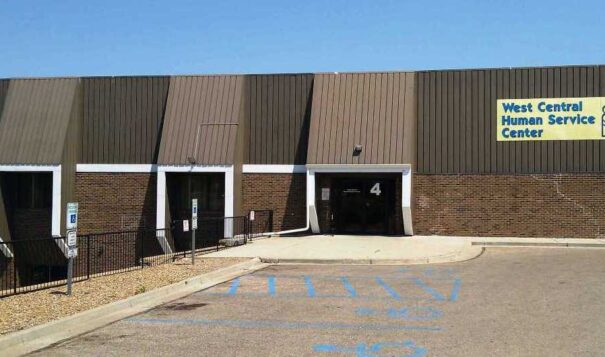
[42,263]
[28,265]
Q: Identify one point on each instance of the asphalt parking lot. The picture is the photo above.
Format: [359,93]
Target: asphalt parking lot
[507,302]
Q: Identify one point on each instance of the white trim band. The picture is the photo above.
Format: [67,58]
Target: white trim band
[56,211]
[274,169]
[161,193]
[406,188]
[194,168]
[55,229]
[29,168]
[358,168]
[118,168]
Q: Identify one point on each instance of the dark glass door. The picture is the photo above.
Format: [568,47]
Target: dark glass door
[209,189]
[376,218]
[350,210]
[362,205]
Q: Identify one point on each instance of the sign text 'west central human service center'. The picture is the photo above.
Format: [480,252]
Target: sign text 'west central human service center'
[551,119]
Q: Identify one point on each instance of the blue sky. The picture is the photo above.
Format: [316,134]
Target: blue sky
[86,37]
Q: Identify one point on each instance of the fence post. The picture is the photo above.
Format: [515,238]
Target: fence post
[14,271]
[88,257]
[271,221]
[142,251]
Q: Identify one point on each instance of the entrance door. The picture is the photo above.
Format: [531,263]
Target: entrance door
[362,205]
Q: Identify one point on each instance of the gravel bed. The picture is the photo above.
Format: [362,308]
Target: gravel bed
[26,310]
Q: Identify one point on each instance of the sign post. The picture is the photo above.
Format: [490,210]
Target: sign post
[71,227]
[193,228]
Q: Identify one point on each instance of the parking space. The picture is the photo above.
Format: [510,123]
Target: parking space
[506,302]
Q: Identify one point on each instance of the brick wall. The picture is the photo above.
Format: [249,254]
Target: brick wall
[324,212]
[110,202]
[570,205]
[285,194]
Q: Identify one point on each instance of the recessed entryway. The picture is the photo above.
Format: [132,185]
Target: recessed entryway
[363,205]
[359,203]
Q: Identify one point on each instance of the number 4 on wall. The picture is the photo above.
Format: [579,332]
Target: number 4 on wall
[376,189]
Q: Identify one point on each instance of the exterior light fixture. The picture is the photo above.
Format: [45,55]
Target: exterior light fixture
[357,150]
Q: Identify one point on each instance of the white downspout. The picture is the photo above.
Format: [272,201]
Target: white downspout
[310,200]
[56,211]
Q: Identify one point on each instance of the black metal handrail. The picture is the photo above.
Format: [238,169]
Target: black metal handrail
[41,263]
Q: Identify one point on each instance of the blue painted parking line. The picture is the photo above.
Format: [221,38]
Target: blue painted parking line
[388,289]
[347,284]
[310,287]
[283,295]
[437,276]
[234,285]
[271,285]
[434,293]
[277,324]
[408,348]
[455,289]
[427,286]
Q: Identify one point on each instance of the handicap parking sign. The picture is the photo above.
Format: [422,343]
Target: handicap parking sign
[72,216]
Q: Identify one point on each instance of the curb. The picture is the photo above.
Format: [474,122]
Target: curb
[539,244]
[38,337]
[458,256]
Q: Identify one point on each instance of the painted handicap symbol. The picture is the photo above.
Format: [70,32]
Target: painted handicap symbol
[402,349]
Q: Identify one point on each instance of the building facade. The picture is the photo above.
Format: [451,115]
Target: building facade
[396,153]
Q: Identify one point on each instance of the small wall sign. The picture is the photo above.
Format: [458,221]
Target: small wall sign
[325,194]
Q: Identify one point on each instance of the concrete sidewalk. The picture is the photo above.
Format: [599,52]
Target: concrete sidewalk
[535,242]
[356,250]
[342,249]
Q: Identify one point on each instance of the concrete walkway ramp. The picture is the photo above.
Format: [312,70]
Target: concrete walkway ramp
[342,249]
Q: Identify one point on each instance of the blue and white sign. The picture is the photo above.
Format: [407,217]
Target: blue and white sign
[194,213]
[72,216]
[72,239]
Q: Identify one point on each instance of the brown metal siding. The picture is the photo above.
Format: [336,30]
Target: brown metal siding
[34,120]
[457,121]
[201,121]
[375,110]
[71,151]
[278,114]
[3,91]
[123,119]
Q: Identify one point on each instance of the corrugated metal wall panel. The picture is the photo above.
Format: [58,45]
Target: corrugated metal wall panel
[201,120]
[123,119]
[71,151]
[3,92]
[375,110]
[34,120]
[457,121]
[278,114]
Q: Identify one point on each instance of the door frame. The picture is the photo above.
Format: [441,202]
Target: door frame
[406,188]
